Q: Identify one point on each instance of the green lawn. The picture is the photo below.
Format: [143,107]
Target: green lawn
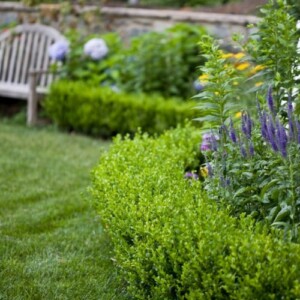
[51,242]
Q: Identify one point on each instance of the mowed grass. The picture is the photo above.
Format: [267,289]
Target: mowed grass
[51,242]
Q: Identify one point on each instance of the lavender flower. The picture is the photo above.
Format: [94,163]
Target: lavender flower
[247,124]
[243,151]
[224,181]
[232,133]
[271,137]
[282,139]
[290,119]
[264,127]
[191,175]
[59,50]
[96,49]
[209,142]
[270,100]
[298,131]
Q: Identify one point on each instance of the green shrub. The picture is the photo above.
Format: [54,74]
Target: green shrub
[171,242]
[162,62]
[102,111]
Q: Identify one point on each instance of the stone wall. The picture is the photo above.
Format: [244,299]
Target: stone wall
[126,21]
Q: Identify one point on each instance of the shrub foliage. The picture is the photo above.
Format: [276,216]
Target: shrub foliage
[171,242]
[102,111]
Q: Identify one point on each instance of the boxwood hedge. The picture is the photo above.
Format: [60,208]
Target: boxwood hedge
[102,111]
[171,241]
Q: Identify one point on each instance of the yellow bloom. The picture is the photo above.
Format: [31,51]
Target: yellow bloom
[243,66]
[227,55]
[238,114]
[203,78]
[235,83]
[204,171]
[257,84]
[239,55]
[258,68]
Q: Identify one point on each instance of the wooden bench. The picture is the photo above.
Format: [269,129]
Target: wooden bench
[24,64]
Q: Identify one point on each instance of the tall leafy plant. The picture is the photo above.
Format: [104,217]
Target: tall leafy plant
[274,45]
[219,98]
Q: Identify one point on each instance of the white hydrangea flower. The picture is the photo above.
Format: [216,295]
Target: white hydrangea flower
[96,49]
[59,50]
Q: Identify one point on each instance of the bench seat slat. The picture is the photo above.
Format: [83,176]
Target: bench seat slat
[19,91]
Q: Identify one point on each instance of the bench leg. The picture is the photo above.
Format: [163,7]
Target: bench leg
[32,101]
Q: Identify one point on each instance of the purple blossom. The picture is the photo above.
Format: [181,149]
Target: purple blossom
[232,133]
[224,181]
[191,175]
[59,50]
[271,137]
[290,119]
[298,131]
[96,49]
[243,151]
[282,139]
[247,124]
[270,100]
[209,142]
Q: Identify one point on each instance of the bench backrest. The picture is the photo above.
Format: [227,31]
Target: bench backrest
[25,48]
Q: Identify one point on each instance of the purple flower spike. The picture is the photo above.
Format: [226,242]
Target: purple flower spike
[298,132]
[247,124]
[290,119]
[243,151]
[271,138]
[190,175]
[270,100]
[232,133]
[209,142]
[205,146]
[281,138]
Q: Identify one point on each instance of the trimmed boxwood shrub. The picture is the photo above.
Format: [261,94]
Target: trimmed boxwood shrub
[171,242]
[102,111]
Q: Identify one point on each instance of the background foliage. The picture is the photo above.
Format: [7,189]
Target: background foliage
[164,63]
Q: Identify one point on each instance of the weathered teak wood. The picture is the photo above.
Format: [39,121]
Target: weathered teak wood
[24,62]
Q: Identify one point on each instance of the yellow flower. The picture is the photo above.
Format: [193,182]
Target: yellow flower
[257,84]
[257,69]
[235,83]
[204,171]
[238,114]
[227,55]
[203,78]
[239,55]
[243,66]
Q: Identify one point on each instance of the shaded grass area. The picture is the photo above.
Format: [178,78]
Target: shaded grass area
[51,242]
